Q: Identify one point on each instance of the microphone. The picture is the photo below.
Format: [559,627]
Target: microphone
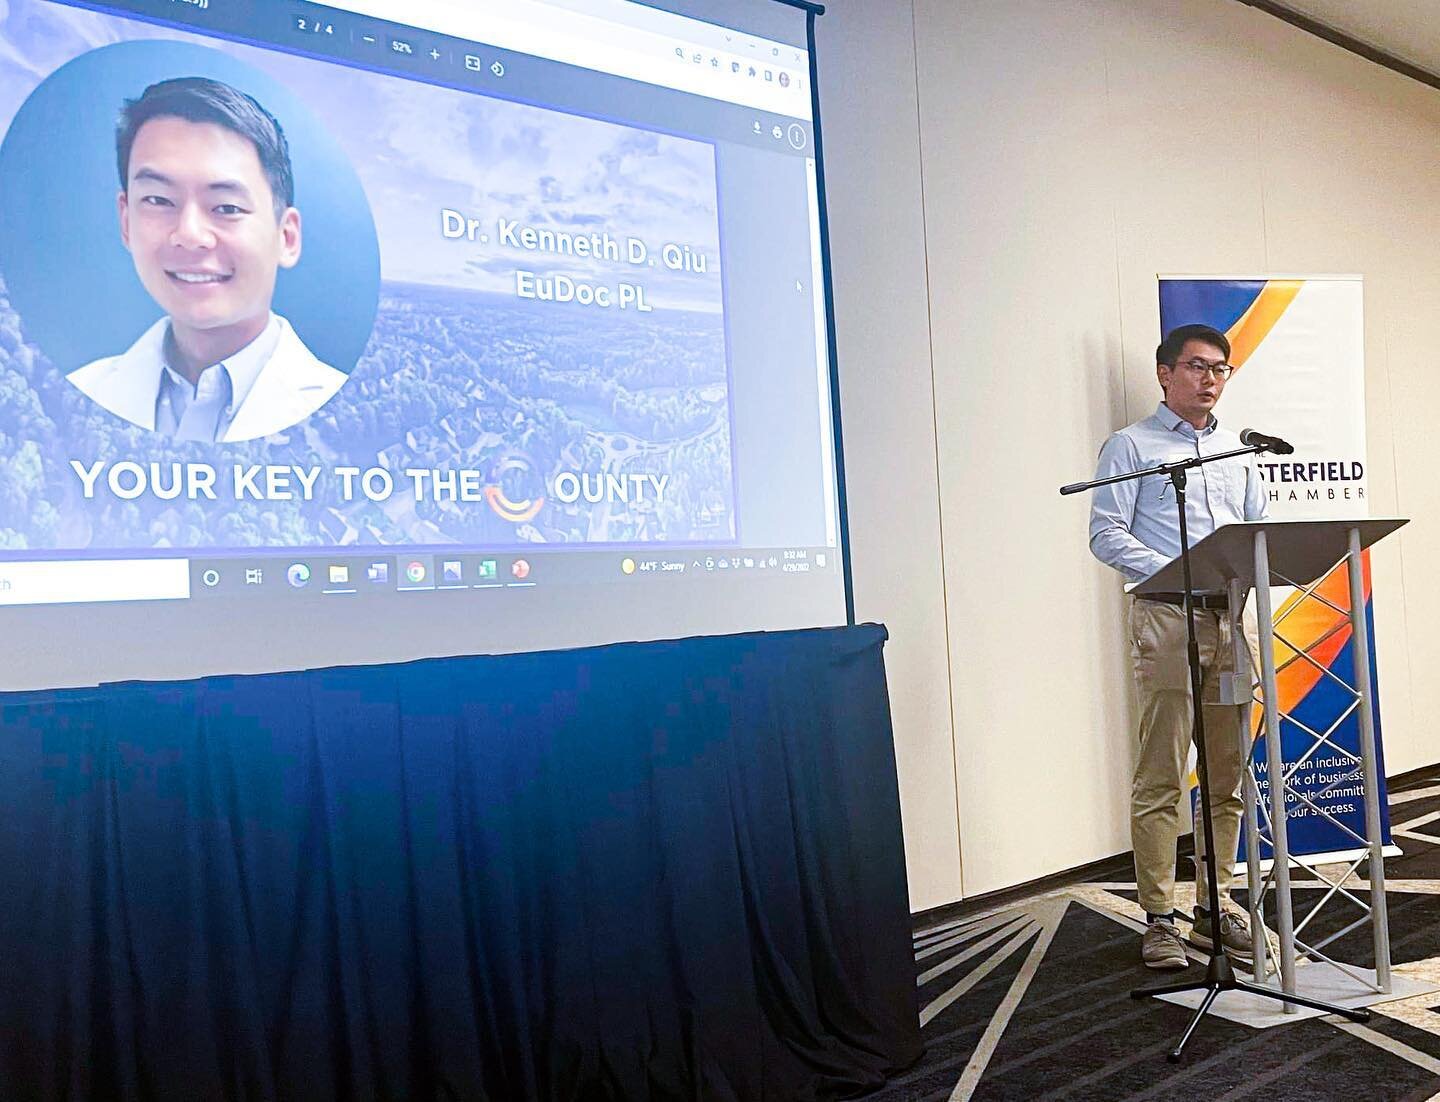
[1251,438]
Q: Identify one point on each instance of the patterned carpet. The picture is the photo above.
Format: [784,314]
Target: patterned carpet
[1030,1000]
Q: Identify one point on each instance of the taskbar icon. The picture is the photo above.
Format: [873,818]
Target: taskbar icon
[374,575]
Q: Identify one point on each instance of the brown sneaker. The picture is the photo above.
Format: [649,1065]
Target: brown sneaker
[1234,935]
[1162,948]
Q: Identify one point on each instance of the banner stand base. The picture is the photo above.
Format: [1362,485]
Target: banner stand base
[1314,981]
[1241,875]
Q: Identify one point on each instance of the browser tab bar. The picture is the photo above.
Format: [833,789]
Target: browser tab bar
[668,53]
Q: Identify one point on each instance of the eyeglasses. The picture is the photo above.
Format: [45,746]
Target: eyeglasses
[1221,370]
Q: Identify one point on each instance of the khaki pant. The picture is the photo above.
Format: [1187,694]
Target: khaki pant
[1162,678]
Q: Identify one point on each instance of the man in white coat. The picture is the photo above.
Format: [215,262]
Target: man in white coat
[207,212]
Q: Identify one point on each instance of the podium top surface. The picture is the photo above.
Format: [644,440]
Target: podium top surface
[1299,551]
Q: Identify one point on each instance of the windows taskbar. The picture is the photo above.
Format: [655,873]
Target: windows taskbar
[340,574]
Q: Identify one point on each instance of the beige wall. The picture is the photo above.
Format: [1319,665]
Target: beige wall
[1006,178]
[882,310]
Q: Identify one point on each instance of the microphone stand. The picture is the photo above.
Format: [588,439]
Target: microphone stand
[1219,974]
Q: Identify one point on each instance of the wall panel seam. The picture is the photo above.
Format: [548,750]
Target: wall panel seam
[935,437]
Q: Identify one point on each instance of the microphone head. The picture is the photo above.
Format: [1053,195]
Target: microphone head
[1254,438]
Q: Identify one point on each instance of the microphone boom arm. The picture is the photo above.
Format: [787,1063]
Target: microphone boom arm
[1167,469]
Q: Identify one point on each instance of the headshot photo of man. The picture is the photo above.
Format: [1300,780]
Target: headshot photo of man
[206,210]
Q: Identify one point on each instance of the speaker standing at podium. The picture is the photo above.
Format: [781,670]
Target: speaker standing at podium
[1134,528]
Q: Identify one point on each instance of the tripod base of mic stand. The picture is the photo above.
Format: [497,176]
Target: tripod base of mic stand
[1220,976]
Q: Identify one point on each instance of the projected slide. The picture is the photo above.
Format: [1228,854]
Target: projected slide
[546,340]
[307,303]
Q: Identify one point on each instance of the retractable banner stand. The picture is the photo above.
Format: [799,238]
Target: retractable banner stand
[1298,349]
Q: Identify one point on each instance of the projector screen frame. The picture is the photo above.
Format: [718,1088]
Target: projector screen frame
[828,389]
[811,12]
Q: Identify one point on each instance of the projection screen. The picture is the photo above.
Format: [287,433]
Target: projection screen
[376,330]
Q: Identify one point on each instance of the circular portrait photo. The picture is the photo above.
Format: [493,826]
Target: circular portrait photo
[192,249]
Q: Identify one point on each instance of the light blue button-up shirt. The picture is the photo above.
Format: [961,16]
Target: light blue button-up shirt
[1134,526]
[204,411]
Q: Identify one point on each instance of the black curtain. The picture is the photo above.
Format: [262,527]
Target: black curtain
[643,871]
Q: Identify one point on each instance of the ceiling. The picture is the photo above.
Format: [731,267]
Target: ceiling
[1406,29]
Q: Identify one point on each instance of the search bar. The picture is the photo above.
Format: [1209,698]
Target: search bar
[94,580]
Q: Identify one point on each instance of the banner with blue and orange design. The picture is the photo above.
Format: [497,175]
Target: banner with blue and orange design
[1299,351]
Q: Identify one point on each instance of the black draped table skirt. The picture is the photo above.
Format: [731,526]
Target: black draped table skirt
[642,871]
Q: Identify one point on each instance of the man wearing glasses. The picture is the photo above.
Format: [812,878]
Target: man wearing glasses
[1134,528]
